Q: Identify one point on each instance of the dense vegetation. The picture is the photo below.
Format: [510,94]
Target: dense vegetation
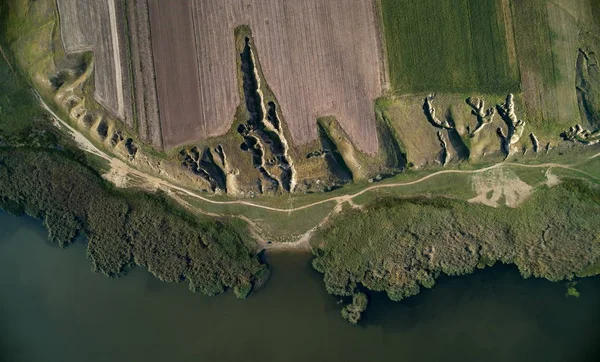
[447,45]
[125,229]
[45,176]
[21,120]
[399,245]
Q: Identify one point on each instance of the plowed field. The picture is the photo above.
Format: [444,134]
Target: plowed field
[320,58]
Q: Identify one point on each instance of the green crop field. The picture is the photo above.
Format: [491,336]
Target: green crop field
[547,35]
[449,46]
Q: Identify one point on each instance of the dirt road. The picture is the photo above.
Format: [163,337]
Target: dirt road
[87,146]
[120,171]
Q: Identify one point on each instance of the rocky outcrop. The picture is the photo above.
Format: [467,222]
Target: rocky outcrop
[131,148]
[581,135]
[444,155]
[515,126]
[430,113]
[231,173]
[484,116]
[452,138]
[534,142]
[203,164]
[102,129]
[264,131]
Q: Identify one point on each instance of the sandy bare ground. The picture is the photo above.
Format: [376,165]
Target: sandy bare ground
[82,142]
[320,58]
[551,179]
[498,184]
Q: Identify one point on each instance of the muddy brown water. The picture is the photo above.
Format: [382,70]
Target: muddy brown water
[52,308]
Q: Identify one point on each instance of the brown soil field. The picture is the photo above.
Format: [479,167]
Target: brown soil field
[176,66]
[214,25]
[98,26]
[142,67]
[320,58]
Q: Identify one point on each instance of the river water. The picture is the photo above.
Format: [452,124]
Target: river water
[52,308]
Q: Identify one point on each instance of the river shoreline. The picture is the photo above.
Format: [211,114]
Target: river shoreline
[55,309]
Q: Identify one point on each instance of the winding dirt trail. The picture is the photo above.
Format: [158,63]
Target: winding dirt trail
[120,172]
[87,146]
[83,143]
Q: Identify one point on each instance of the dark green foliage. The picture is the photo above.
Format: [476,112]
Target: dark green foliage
[62,227]
[126,229]
[572,290]
[401,245]
[242,291]
[353,311]
[22,122]
[17,116]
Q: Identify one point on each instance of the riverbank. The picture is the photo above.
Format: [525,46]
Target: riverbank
[127,229]
[53,309]
[400,246]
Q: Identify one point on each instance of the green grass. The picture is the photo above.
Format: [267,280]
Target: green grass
[17,115]
[454,185]
[273,225]
[531,176]
[548,34]
[591,166]
[447,46]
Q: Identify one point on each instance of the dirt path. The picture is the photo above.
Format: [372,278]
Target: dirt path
[123,169]
[120,172]
[83,143]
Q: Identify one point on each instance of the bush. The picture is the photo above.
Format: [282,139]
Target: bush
[126,229]
[400,245]
[353,311]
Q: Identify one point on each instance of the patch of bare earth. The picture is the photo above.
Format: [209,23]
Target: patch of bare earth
[552,179]
[500,186]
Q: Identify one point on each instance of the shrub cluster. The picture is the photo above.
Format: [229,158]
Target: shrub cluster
[401,245]
[126,229]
